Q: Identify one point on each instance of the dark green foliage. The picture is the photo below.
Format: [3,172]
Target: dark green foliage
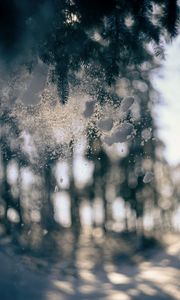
[71,40]
[70,34]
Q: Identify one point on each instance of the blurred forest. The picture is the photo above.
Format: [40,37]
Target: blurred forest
[102,182]
[97,53]
[125,186]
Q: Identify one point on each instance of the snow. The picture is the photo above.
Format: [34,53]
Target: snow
[81,277]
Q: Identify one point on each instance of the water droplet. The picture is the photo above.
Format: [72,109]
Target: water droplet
[148,177]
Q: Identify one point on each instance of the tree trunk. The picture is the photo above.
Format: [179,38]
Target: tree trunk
[47,213]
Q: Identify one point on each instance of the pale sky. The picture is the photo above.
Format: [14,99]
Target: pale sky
[167,82]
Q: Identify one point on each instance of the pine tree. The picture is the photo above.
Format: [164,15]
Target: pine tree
[70,34]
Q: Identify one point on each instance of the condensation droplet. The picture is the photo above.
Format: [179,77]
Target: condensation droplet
[148,177]
[105,125]
[89,110]
[56,189]
[126,103]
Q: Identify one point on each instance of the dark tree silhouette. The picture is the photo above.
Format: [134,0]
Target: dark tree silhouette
[70,34]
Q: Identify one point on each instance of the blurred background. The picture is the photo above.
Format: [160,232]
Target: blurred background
[90,190]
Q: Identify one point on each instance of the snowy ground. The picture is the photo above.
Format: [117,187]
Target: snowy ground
[91,273]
